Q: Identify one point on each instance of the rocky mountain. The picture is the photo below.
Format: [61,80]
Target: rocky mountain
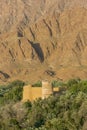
[43,39]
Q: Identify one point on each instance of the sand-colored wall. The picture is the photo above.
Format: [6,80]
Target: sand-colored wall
[33,93]
[27,93]
[47,89]
[36,92]
[56,89]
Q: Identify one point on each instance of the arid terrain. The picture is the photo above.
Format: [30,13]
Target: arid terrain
[43,39]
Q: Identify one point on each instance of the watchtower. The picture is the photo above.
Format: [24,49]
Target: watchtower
[47,89]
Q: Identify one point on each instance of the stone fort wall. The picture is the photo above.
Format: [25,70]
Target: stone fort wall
[32,93]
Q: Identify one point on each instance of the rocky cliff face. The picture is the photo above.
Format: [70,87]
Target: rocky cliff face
[43,39]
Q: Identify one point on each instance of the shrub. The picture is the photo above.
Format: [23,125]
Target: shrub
[28,104]
[11,92]
[73,82]
[57,83]
[37,84]
[16,83]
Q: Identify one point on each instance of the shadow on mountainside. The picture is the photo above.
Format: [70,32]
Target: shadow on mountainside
[38,50]
[5,75]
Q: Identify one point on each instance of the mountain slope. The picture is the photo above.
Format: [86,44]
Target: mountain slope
[38,38]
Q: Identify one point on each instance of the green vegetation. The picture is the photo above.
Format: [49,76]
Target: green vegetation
[37,84]
[65,111]
[11,92]
[57,83]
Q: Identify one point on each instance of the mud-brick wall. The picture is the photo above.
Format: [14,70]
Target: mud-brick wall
[31,93]
[47,89]
[27,93]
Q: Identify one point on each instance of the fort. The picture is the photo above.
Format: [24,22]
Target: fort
[32,93]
